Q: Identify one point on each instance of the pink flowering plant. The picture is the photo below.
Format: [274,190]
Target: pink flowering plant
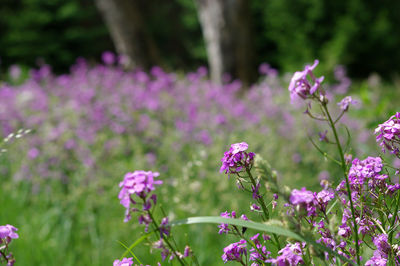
[352,222]
[7,234]
[137,196]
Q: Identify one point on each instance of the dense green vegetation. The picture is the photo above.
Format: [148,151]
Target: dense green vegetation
[363,35]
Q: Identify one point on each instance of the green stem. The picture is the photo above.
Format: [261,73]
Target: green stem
[260,200]
[394,218]
[165,239]
[332,125]
[263,206]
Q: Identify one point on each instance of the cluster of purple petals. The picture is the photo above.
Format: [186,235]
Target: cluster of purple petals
[260,252]
[71,113]
[290,255]
[346,102]
[236,159]
[329,240]
[123,262]
[311,202]
[388,134]
[93,106]
[165,252]
[300,86]
[224,228]
[141,184]
[366,175]
[382,251]
[234,251]
[8,232]
[165,228]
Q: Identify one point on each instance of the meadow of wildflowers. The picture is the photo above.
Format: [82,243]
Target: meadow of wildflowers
[98,123]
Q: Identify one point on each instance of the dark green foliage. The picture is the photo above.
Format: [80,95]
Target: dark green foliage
[57,31]
[363,35]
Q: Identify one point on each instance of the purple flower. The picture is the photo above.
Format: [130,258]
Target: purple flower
[378,259]
[300,86]
[323,198]
[304,200]
[108,58]
[302,196]
[139,183]
[344,231]
[345,103]
[224,228]
[366,172]
[165,252]
[260,252]
[123,262]
[388,134]
[234,251]
[322,136]
[187,252]
[8,232]
[164,227]
[381,243]
[290,255]
[236,158]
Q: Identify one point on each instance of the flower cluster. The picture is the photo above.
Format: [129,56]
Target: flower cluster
[141,184]
[346,102]
[259,253]
[310,202]
[383,249]
[301,87]
[235,251]
[224,228]
[236,159]
[365,175]
[123,262]
[290,255]
[138,186]
[7,233]
[388,134]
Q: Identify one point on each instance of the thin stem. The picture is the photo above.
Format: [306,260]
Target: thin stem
[340,116]
[263,206]
[260,200]
[322,152]
[394,217]
[332,125]
[165,239]
[4,255]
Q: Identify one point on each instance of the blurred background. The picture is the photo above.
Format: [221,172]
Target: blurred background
[108,87]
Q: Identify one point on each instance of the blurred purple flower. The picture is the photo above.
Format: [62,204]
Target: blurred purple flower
[123,262]
[300,86]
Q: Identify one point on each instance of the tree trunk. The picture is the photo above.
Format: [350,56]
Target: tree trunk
[227,33]
[127,28]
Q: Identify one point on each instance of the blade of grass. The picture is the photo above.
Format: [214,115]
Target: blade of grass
[258,226]
[129,251]
[134,244]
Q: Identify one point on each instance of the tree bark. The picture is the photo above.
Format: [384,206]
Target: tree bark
[127,28]
[227,33]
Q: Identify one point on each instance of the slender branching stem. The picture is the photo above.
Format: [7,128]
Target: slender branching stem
[344,167]
[263,206]
[394,217]
[165,239]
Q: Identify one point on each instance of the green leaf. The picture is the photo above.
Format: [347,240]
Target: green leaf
[130,251]
[134,244]
[272,229]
